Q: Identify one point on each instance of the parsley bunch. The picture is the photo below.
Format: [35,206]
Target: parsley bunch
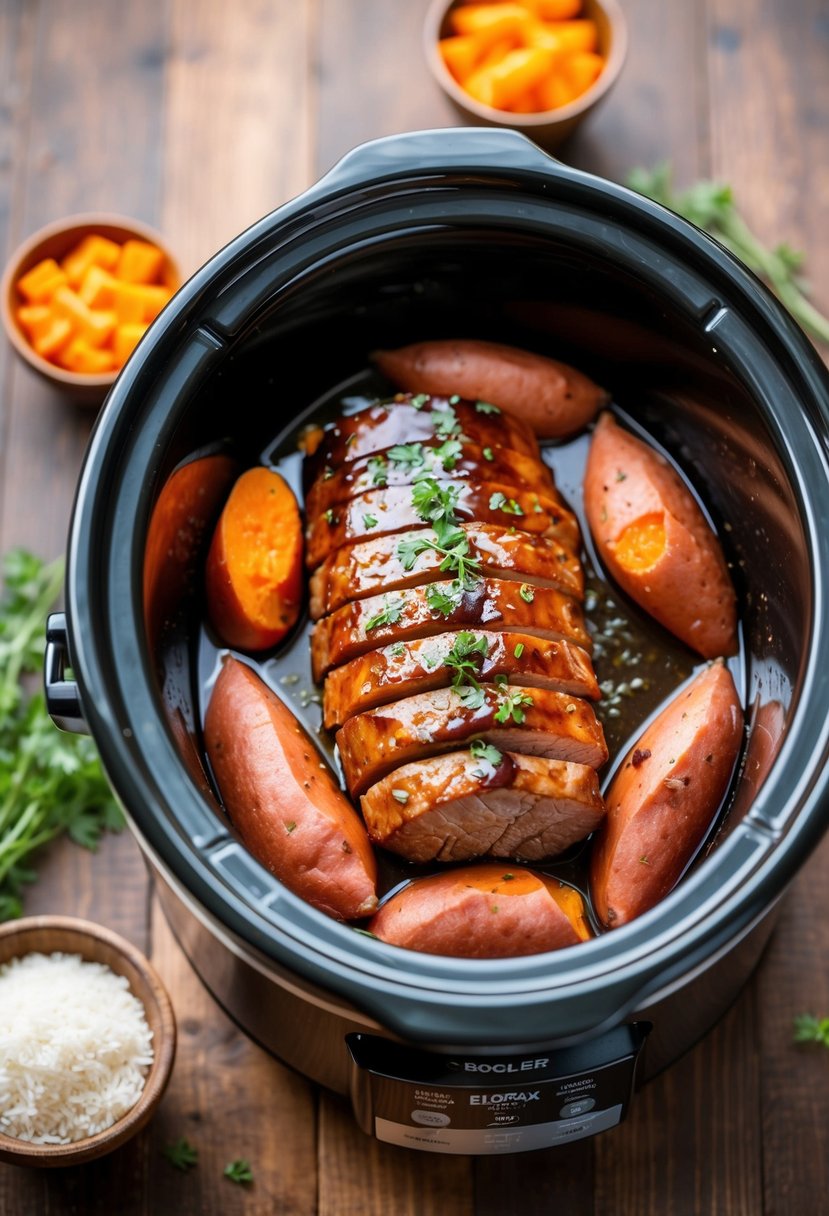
[464,666]
[710,205]
[50,782]
[437,505]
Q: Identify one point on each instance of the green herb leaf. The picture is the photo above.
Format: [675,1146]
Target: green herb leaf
[487,454]
[471,695]
[444,597]
[181,1154]
[448,452]
[486,752]
[710,205]
[512,706]
[410,548]
[329,516]
[484,407]
[526,592]
[239,1171]
[389,614]
[433,502]
[809,1029]
[409,455]
[519,649]
[419,400]
[50,782]
[370,521]
[378,470]
[397,650]
[445,422]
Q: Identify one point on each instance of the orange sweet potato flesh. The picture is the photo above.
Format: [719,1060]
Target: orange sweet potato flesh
[254,568]
[655,541]
[283,800]
[555,399]
[664,796]
[483,911]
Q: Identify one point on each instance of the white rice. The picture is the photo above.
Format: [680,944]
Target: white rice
[75,1048]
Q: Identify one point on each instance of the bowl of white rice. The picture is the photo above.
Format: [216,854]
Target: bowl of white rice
[87,1044]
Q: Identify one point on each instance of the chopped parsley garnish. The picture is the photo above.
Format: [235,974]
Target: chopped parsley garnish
[809,1029]
[328,516]
[463,664]
[389,614]
[410,455]
[448,453]
[239,1171]
[500,502]
[486,752]
[419,400]
[512,706]
[484,407]
[378,469]
[445,422]
[445,598]
[369,521]
[526,592]
[433,503]
[519,650]
[487,454]
[327,473]
[181,1154]
[397,650]
[437,505]
[454,399]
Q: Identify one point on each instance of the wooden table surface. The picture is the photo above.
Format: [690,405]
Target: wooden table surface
[200,116]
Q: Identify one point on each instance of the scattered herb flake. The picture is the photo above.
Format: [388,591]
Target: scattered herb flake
[389,614]
[512,706]
[401,796]
[809,1029]
[328,516]
[397,650]
[181,1154]
[409,455]
[620,476]
[484,407]
[378,469]
[487,454]
[290,826]
[519,650]
[445,422]
[486,751]
[239,1171]
[448,452]
[445,598]
[454,399]
[526,592]
[370,521]
[419,400]
[327,473]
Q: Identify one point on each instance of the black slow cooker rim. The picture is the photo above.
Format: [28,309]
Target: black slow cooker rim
[368,973]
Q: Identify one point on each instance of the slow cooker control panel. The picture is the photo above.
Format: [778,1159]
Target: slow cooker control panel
[492,1104]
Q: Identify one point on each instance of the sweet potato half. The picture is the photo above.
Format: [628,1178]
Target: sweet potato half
[254,572]
[655,541]
[553,398]
[283,800]
[663,798]
[483,911]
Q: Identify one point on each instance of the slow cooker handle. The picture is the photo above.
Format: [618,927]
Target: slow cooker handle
[63,699]
[456,150]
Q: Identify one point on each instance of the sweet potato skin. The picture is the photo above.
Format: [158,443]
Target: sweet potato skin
[254,569]
[686,585]
[283,800]
[555,399]
[664,796]
[483,911]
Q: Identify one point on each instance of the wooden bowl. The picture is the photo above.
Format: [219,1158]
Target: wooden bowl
[47,934]
[548,128]
[55,241]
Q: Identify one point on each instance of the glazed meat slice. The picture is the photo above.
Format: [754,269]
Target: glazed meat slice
[380,512]
[422,612]
[390,563]
[408,419]
[405,668]
[327,487]
[533,721]
[459,806]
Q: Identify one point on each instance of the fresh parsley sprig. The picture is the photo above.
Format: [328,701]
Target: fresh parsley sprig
[512,706]
[464,666]
[181,1154]
[389,614]
[239,1171]
[50,782]
[809,1029]
[711,205]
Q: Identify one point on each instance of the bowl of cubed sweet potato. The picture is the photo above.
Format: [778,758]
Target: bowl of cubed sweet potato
[77,296]
[536,66]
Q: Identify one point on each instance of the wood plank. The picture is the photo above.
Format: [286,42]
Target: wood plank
[359,1176]
[239,112]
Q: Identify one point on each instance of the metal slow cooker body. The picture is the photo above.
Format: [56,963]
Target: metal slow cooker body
[437,234]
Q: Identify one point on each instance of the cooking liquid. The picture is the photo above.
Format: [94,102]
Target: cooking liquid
[638,664]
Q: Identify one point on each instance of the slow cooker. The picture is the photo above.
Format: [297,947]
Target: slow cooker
[465,233]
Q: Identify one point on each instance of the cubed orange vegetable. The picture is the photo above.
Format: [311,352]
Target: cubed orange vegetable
[96,290]
[126,338]
[138,301]
[497,53]
[93,250]
[52,338]
[565,36]
[519,71]
[489,22]
[461,54]
[94,325]
[553,10]
[34,318]
[79,356]
[139,262]
[42,281]
[581,70]
[554,92]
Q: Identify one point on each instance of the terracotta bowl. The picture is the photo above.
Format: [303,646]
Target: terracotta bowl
[47,934]
[55,240]
[547,127]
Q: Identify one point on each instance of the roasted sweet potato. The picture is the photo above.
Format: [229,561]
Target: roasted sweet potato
[483,911]
[282,798]
[662,800]
[254,568]
[553,398]
[656,542]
